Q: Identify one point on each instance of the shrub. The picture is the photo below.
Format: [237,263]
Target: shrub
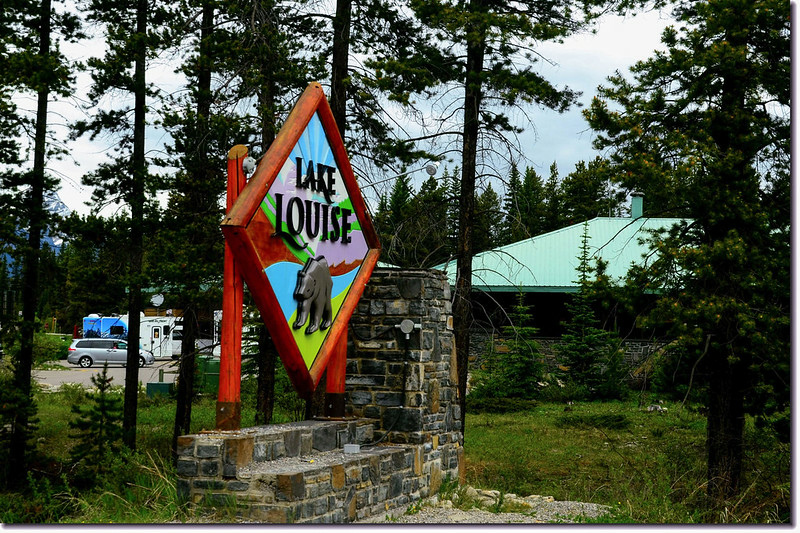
[515,369]
[564,391]
[13,402]
[286,398]
[42,501]
[99,426]
[72,393]
[671,376]
[45,348]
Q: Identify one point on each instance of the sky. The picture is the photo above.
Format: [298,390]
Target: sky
[582,62]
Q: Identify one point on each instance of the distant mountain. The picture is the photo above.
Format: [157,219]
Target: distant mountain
[53,203]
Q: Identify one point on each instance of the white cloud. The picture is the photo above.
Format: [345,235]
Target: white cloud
[583,62]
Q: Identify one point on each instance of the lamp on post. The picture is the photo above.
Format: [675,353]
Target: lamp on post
[431,169]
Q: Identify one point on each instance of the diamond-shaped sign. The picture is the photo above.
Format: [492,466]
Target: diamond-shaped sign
[303,239]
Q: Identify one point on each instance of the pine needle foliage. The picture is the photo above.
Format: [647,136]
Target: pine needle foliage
[98,424]
[591,354]
[705,126]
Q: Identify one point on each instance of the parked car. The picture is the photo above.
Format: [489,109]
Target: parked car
[86,352]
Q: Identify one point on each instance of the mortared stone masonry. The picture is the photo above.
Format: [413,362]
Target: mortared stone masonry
[401,411]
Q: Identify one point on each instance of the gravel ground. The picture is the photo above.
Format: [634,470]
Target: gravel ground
[542,511]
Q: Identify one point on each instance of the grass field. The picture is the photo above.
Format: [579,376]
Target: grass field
[649,466]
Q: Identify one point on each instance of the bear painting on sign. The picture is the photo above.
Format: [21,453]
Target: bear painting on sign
[313,295]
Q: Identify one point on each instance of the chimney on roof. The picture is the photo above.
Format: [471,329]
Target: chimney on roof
[637,205]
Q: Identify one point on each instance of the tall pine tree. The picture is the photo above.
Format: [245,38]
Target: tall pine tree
[513,223]
[707,120]
[131,41]
[481,48]
[533,202]
[588,193]
[488,220]
[554,202]
[32,64]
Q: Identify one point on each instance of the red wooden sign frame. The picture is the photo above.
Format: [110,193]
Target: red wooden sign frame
[255,243]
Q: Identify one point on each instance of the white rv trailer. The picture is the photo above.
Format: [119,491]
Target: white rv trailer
[160,335]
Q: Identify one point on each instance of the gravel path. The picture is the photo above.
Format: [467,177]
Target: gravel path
[539,510]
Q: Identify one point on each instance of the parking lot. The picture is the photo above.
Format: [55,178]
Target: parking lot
[164,368]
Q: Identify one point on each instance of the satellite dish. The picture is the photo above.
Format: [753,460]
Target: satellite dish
[157,300]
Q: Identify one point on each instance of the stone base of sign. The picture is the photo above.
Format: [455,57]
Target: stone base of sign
[300,473]
[401,412]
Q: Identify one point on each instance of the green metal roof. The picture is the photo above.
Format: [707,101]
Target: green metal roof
[548,262]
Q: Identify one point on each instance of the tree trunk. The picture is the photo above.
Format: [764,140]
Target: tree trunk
[30,286]
[186,373]
[265,381]
[462,308]
[136,202]
[725,431]
[265,393]
[728,381]
[339,63]
[200,170]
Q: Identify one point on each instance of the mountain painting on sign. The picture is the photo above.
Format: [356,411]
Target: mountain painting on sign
[303,238]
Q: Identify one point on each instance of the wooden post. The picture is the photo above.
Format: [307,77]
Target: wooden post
[334,384]
[229,404]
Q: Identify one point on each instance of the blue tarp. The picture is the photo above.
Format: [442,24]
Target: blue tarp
[105,327]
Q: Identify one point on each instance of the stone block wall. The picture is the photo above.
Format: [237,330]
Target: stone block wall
[636,350]
[401,410]
[221,454]
[408,384]
[299,472]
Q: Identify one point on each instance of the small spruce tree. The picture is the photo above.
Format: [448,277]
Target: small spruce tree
[591,354]
[98,424]
[516,368]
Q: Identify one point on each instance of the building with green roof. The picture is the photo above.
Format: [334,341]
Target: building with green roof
[546,265]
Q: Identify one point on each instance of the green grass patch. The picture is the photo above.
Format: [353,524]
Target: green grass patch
[499,405]
[649,466]
[587,421]
[138,487]
[50,366]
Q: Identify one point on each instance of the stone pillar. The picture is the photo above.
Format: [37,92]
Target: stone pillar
[409,385]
